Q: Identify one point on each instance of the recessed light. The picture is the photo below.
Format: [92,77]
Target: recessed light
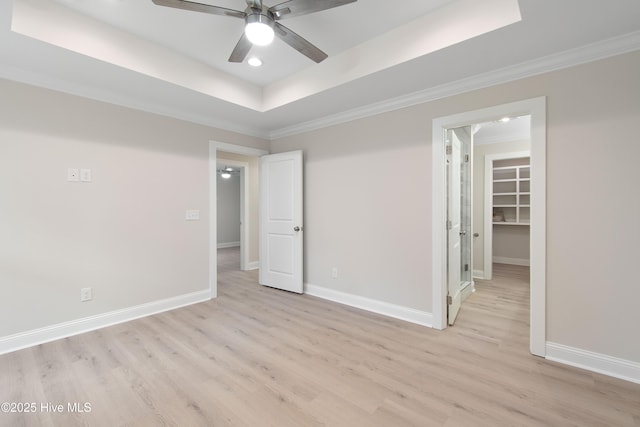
[255,62]
[505,119]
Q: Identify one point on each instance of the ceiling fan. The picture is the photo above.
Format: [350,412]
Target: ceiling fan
[261,23]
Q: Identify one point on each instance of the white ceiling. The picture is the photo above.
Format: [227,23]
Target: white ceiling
[174,62]
[516,129]
[210,38]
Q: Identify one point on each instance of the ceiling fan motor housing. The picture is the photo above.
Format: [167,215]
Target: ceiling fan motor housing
[259,25]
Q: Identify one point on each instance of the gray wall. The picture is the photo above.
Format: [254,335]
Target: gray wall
[228,211]
[368,201]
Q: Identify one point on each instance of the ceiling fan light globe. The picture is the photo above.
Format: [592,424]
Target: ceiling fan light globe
[259,29]
[259,33]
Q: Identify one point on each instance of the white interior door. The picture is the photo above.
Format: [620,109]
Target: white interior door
[281,221]
[454,298]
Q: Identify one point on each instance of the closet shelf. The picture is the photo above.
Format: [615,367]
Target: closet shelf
[511,192]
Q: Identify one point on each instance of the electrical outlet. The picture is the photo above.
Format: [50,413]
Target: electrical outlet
[334,272]
[86,294]
[73,175]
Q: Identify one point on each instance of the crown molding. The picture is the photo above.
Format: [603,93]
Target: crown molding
[600,50]
[589,53]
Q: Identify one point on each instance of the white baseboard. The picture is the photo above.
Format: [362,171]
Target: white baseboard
[478,274]
[62,330]
[595,362]
[392,310]
[253,265]
[511,261]
[228,245]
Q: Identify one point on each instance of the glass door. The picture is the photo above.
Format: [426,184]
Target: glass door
[466,244]
[459,232]
[459,218]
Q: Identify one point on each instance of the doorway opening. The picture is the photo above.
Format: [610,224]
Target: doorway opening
[449,184]
[488,192]
[246,159]
[233,206]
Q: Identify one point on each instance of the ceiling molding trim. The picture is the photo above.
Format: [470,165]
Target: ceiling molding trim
[600,50]
[84,91]
[62,27]
[455,22]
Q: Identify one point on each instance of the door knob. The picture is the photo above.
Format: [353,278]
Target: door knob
[296,228]
[476,234]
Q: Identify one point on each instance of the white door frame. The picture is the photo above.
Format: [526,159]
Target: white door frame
[244,211]
[215,146]
[536,108]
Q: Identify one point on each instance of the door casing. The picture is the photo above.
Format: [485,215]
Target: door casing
[536,108]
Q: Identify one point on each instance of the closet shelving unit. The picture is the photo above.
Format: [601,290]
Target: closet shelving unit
[512,193]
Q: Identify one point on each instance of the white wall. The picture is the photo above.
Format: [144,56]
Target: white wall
[124,234]
[228,218]
[511,245]
[368,201]
[367,207]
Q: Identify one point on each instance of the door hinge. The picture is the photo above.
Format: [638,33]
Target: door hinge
[449,149]
[466,267]
[449,300]
[449,225]
[466,158]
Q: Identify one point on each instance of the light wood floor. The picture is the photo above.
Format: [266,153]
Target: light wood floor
[261,357]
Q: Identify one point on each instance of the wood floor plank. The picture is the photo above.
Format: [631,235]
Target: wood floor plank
[256,356]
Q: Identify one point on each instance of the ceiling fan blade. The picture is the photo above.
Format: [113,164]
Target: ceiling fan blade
[293,8]
[199,7]
[241,50]
[299,44]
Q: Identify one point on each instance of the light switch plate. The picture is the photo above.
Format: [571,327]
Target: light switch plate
[85,175]
[192,215]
